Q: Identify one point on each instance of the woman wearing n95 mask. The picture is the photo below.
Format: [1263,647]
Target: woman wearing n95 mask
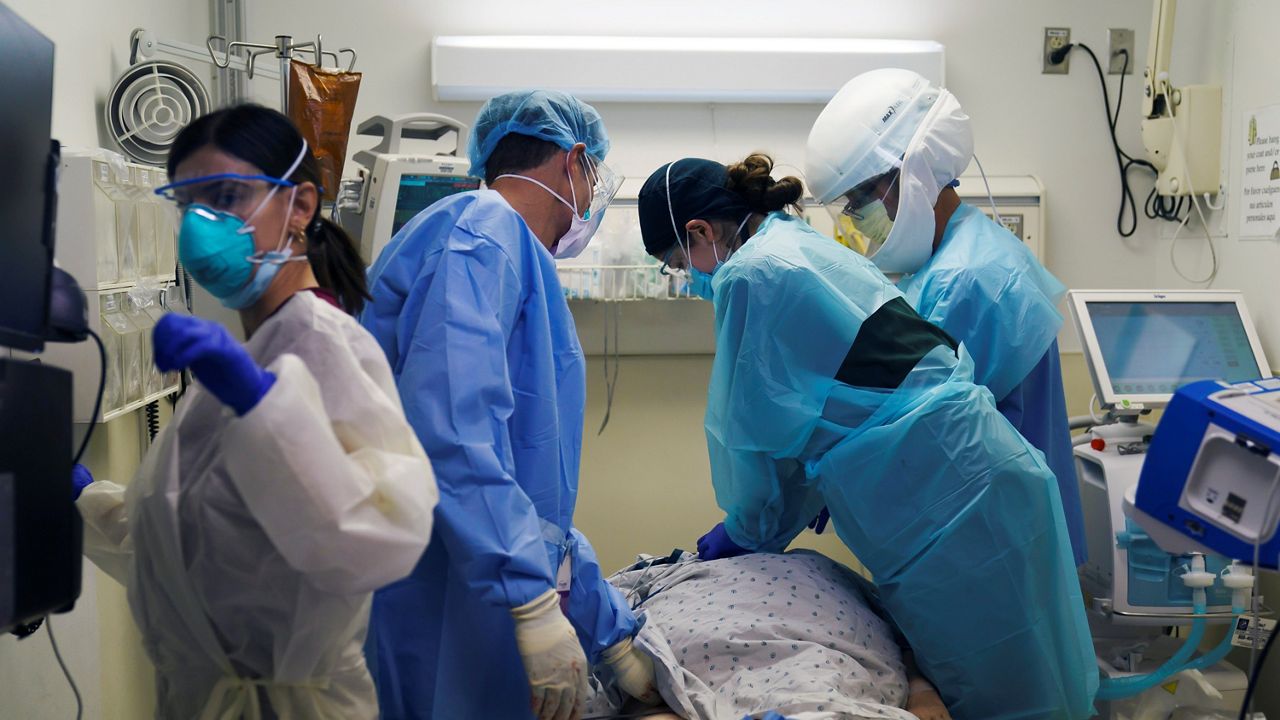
[827,389]
[288,485]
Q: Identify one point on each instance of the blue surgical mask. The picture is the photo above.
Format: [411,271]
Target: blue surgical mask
[700,282]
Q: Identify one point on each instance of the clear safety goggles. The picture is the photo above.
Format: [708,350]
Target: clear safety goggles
[605,184]
[675,263]
[227,192]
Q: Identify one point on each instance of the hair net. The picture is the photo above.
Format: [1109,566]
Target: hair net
[544,114]
[870,125]
[699,189]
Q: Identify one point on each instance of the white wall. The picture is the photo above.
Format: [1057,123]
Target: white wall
[98,639]
[1025,123]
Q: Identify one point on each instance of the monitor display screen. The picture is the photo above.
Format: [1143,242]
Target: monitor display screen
[26,254]
[419,192]
[1156,347]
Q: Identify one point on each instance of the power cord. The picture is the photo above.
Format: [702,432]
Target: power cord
[1155,206]
[97,403]
[48,624]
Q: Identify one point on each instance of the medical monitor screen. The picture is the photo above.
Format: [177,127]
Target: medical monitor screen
[1156,347]
[419,192]
[26,243]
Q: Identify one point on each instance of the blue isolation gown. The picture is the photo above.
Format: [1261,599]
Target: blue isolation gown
[827,389]
[468,309]
[987,290]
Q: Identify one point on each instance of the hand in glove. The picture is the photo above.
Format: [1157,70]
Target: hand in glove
[633,671]
[717,544]
[80,479]
[219,362]
[553,659]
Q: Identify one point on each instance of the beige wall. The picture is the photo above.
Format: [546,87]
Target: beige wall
[646,482]
[128,681]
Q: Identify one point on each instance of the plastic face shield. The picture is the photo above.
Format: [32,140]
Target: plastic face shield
[605,184]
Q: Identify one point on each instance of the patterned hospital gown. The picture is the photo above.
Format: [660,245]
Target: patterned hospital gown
[797,633]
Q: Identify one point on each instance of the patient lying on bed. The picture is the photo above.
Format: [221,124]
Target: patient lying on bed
[795,633]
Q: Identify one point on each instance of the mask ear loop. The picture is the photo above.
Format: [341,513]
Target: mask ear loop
[573,194]
[671,212]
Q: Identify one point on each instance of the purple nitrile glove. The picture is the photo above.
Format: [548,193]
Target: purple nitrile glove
[80,479]
[220,363]
[716,544]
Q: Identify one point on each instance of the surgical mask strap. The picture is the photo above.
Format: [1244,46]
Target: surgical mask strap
[543,185]
[297,162]
[283,252]
[671,212]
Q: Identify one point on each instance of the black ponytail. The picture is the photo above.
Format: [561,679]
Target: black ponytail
[337,264]
[752,180]
[267,139]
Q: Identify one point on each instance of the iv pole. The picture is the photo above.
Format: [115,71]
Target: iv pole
[283,49]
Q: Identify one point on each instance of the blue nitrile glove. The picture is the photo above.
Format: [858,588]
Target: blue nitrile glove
[818,524]
[716,544]
[219,362]
[80,479]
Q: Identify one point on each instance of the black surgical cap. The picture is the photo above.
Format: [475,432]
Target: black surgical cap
[698,191]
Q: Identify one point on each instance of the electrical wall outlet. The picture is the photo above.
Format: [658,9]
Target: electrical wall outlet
[1121,40]
[1055,39]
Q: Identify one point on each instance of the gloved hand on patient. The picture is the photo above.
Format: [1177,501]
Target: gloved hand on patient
[553,659]
[717,544]
[633,671]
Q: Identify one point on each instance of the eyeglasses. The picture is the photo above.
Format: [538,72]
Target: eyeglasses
[227,192]
[866,193]
[667,269]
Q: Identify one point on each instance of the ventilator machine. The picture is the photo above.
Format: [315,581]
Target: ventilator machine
[1172,513]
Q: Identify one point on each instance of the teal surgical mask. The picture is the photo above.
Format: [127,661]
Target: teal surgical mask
[219,251]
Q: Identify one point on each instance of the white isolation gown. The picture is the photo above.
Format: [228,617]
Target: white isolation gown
[251,545]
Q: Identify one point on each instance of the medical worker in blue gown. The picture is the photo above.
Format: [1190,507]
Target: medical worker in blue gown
[888,147]
[829,389]
[467,306]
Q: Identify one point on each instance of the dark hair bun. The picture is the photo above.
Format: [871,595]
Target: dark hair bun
[752,179]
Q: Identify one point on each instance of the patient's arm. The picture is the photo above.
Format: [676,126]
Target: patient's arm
[923,699]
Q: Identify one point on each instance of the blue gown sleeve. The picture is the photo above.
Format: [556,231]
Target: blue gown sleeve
[1007,322]
[782,333]
[598,612]
[457,395]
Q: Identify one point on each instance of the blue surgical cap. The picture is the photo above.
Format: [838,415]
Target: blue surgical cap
[544,114]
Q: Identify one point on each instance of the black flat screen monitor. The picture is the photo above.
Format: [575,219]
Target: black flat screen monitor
[27,201]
